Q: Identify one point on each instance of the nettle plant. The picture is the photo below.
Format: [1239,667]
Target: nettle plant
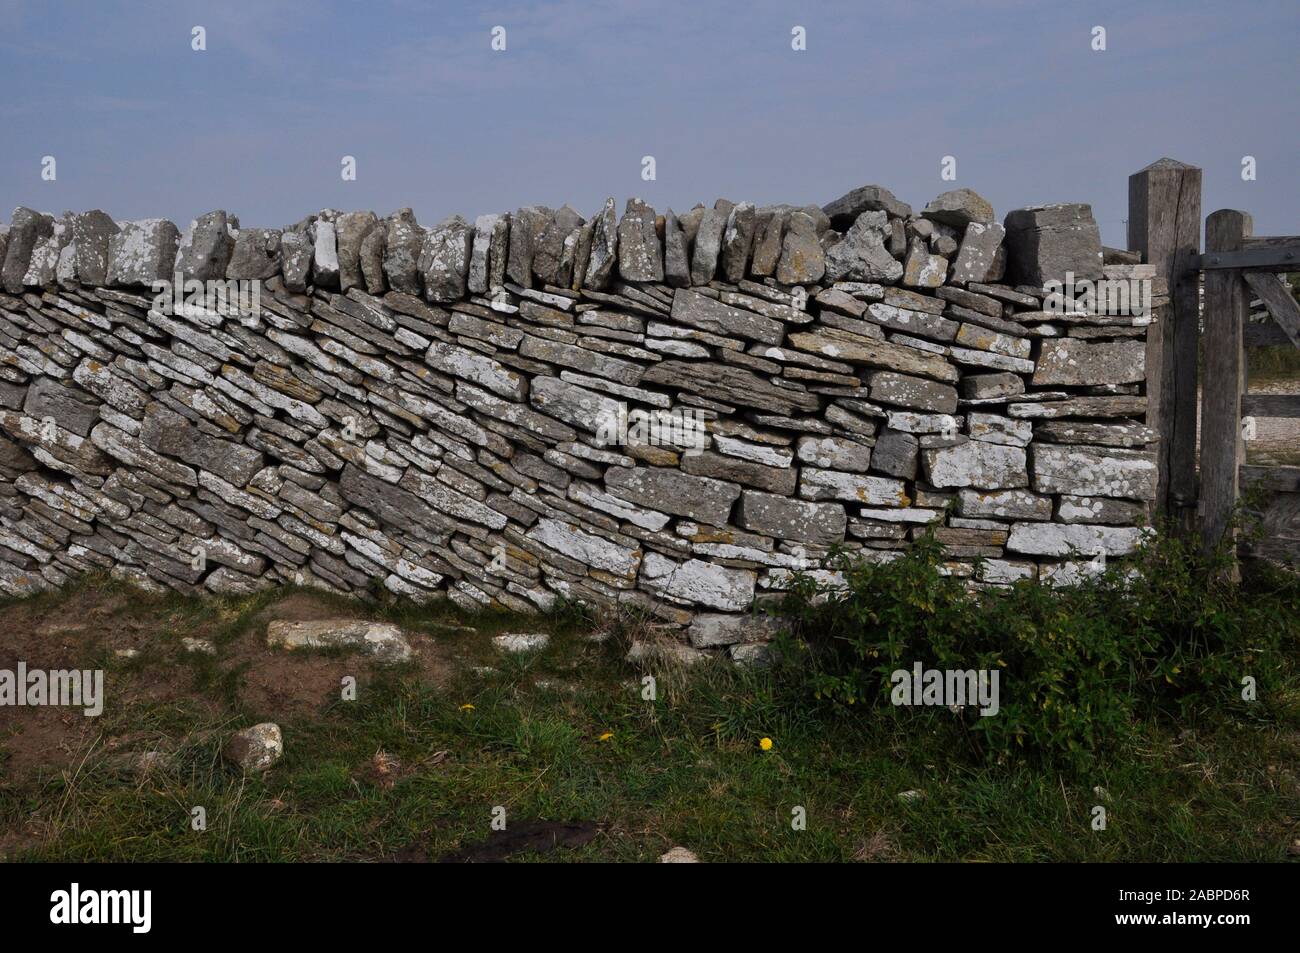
[1166,631]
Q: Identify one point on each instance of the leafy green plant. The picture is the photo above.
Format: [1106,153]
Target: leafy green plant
[1077,667]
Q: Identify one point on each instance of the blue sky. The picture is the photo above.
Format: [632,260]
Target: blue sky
[142,126]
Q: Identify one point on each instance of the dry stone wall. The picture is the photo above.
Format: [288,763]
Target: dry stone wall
[673,412]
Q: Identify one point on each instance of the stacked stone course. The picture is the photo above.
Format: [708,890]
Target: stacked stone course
[430,409]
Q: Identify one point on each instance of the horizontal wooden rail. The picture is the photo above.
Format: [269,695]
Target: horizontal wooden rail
[1281,479]
[1270,405]
[1262,258]
[1266,334]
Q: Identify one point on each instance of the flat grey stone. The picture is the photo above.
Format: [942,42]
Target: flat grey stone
[784,517]
[1076,362]
[672,491]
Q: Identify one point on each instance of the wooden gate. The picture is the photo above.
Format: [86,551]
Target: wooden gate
[1200,491]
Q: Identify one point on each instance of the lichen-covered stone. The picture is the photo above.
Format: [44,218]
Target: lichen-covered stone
[1094,471]
[143,252]
[976,463]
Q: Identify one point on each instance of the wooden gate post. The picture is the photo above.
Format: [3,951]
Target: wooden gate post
[1164,224]
[1227,309]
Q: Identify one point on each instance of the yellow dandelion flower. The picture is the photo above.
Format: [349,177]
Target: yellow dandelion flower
[606,736]
[467,707]
[765,744]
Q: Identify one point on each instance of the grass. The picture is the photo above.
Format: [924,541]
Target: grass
[407,769]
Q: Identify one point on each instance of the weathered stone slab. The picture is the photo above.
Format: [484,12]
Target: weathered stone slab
[587,548]
[708,242]
[557,248]
[478,368]
[697,582]
[639,255]
[444,259]
[205,247]
[579,407]
[978,258]
[92,234]
[998,429]
[1102,435]
[402,243]
[392,505]
[699,311]
[856,349]
[143,252]
[710,630]
[976,463]
[1004,504]
[818,484]
[738,240]
[779,480]
[27,229]
[903,390]
[677,263]
[1054,539]
[958,208]
[821,524]
[1077,362]
[846,209]
[1045,242]
[604,248]
[834,453]
[990,386]
[1081,407]
[671,491]
[170,434]
[921,269]
[256,255]
[802,258]
[1094,471]
[384,640]
[582,359]
[727,383]
[1097,509]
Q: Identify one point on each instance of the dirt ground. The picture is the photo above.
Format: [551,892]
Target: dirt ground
[91,626]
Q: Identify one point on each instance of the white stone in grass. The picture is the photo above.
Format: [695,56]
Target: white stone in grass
[255,749]
[383,640]
[679,855]
[518,642]
[198,645]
